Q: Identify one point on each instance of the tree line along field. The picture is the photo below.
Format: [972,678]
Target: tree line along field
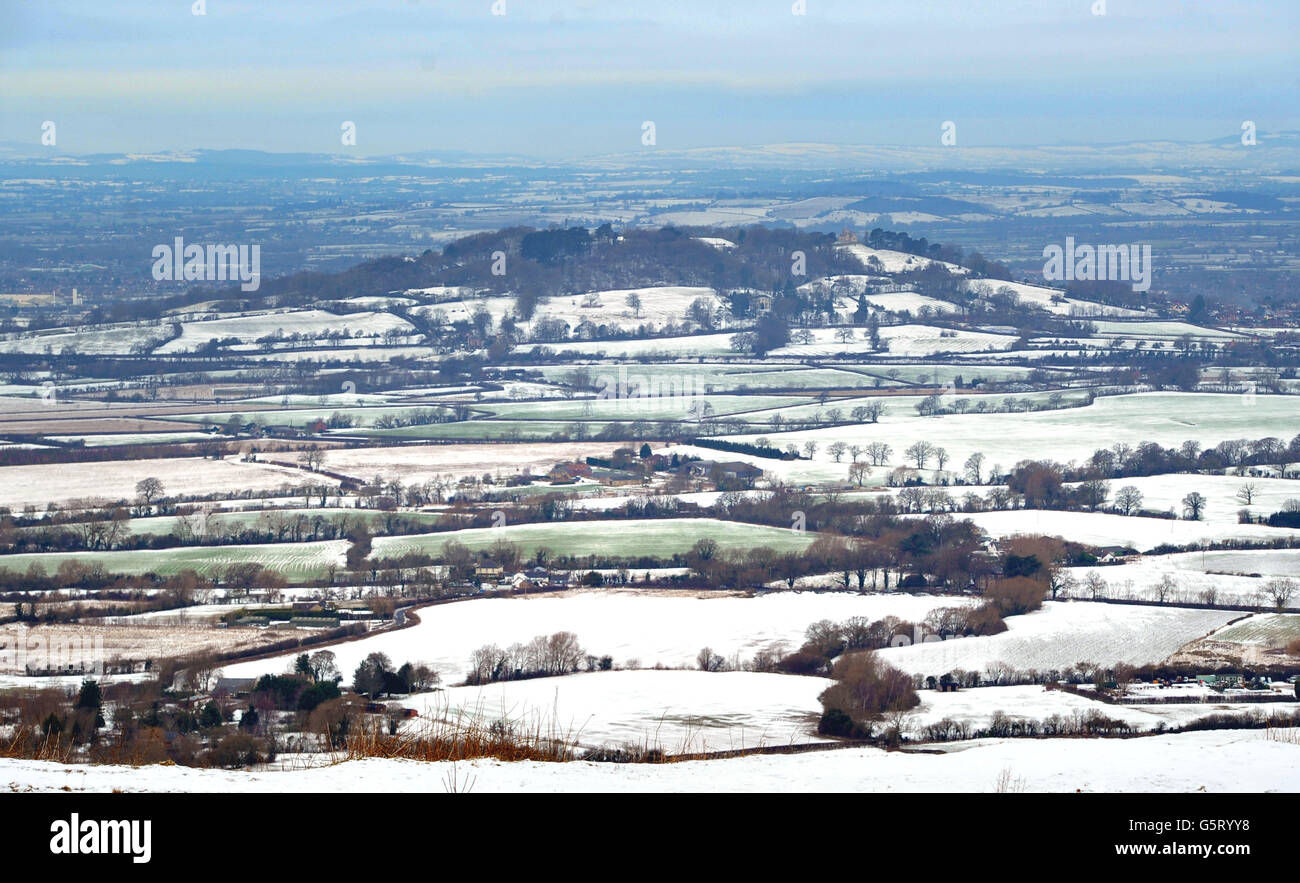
[310,561]
[1074,433]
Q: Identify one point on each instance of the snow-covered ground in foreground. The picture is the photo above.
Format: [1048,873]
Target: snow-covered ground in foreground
[1179,763]
[646,627]
[1105,529]
[1063,634]
[678,711]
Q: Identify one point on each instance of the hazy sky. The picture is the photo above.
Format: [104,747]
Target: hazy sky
[568,79]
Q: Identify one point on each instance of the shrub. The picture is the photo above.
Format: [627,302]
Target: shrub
[985,620]
[804,662]
[866,688]
[235,751]
[1016,595]
[835,722]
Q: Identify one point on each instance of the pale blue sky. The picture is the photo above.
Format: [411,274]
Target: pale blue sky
[561,79]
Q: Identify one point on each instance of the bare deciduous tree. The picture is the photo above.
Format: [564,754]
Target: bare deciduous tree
[1280,591]
[1128,499]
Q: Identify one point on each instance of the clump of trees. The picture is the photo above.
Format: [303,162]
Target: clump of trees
[544,656]
[376,674]
[866,690]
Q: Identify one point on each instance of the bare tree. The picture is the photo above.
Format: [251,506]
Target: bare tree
[149,489]
[1093,492]
[1095,586]
[837,449]
[707,660]
[1166,588]
[920,453]
[868,413]
[1128,499]
[1246,493]
[879,452]
[1194,506]
[312,459]
[974,464]
[1280,591]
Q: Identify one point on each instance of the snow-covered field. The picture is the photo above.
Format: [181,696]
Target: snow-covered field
[676,711]
[910,301]
[95,644]
[1185,762]
[1266,563]
[114,480]
[1052,300]
[1165,418]
[1196,575]
[645,628]
[132,438]
[306,322]
[660,537]
[685,346]
[659,305]
[1158,330]
[1106,529]
[903,340]
[1221,492]
[95,341]
[894,261]
[1063,634]
[977,706]
[672,403]
[1264,629]
[419,463]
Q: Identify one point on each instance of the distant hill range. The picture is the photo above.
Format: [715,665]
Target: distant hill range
[1273,151]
